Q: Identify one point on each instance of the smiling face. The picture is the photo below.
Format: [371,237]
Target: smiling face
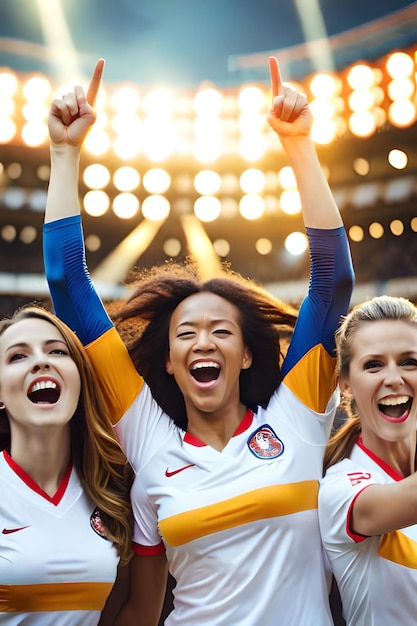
[383,381]
[39,381]
[207,353]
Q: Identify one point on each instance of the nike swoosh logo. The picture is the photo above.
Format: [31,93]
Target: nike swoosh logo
[9,531]
[177,471]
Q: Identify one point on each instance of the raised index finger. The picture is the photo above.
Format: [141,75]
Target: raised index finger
[276,81]
[95,82]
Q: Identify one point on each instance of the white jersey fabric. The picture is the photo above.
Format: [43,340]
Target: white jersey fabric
[377,576]
[241,522]
[56,567]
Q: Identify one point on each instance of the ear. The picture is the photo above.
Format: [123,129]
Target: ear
[247,359]
[344,386]
[168,366]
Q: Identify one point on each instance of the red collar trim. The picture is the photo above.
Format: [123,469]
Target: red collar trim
[244,425]
[382,464]
[28,480]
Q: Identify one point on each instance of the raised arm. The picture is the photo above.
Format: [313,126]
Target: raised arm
[70,119]
[331,275]
[291,118]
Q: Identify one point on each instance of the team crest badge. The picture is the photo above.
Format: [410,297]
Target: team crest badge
[97,525]
[264,443]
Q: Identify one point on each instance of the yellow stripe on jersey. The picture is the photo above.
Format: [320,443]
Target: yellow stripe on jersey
[399,548]
[119,379]
[318,365]
[54,597]
[252,506]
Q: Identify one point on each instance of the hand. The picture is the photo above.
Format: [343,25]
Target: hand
[72,116]
[290,114]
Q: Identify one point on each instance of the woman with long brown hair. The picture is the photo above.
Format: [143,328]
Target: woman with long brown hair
[65,515]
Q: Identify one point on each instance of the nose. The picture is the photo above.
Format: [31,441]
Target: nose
[40,365]
[393,376]
[203,341]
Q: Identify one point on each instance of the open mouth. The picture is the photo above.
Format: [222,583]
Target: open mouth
[205,372]
[395,407]
[44,392]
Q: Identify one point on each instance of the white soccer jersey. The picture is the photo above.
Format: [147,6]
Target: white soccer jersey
[241,522]
[377,576]
[56,568]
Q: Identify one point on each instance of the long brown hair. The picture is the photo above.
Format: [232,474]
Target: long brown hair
[379,308]
[96,454]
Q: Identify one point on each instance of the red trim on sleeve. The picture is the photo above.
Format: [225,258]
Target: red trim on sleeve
[148,550]
[355,536]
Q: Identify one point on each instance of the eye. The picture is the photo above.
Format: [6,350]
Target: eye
[59,351]
[411,363]
[186,333]
[372,365]
[18,356]
[222,331]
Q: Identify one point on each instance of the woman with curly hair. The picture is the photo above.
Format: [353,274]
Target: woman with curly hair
[226,441]
[65,513]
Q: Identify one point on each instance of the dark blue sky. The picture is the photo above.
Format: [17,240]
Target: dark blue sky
[179,42]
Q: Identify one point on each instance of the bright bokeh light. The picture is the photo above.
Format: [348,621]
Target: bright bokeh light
[401,89]
[97,142]
[263,246]
[362,124]
[398,159]
[125,205]
[208,102]
[325,86]
[361,76]
[402,113]
[156,208]
[251,99]
[296,243]
[396,227]
[96,203]
[34,134]
[8,84]
[221,247]
[172,247]
[37,88]
[400,65]
[286,178]
[207,149]
[207,182]
[252,181]
[376,230]
[290,202]
[96,176]
[8,130]
[251,207]
[207,208]
[356,233]
[323,131]
[126,178]
[156,180]
[125,99]
[252,147]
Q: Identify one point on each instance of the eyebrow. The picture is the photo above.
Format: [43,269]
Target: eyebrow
[25,344]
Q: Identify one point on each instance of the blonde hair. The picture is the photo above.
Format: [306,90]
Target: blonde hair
[379,308]
[98,459]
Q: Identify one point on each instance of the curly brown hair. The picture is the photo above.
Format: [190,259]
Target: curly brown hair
[143,323]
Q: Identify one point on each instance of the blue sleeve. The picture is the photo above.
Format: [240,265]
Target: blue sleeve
[73,294]
[328,299]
